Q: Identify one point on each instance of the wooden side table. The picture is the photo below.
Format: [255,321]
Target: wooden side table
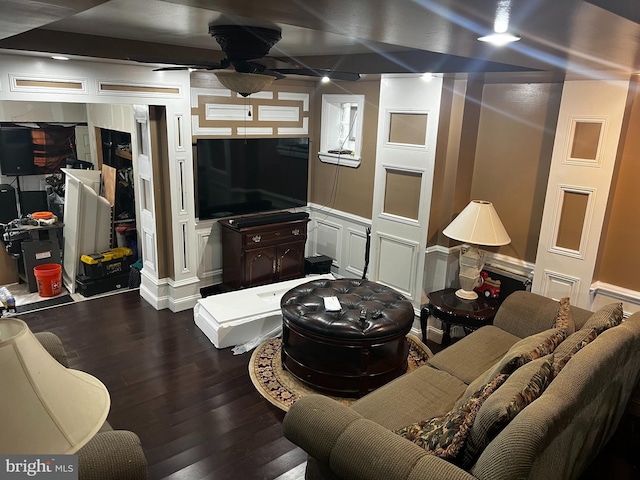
[451,310]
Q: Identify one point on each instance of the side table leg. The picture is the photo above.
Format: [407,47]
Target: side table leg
[424,316]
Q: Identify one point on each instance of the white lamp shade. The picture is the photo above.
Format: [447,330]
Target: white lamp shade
[244,83]
[45,408]
[478,224]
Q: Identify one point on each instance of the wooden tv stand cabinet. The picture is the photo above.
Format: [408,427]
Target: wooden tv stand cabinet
[262,249]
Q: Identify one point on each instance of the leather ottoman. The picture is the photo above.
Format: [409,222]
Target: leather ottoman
[348,352]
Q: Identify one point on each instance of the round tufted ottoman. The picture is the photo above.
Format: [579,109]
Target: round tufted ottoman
[350,352]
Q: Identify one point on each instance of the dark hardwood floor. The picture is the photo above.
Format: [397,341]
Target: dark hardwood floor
[193,406]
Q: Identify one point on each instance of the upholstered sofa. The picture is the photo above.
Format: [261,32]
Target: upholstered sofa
[110,454]
[553,435]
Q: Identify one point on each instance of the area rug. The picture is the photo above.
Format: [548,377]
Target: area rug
[282,389]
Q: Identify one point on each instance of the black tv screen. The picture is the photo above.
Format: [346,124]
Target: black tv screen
[242,176]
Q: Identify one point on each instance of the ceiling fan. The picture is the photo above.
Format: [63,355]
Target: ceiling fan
[239,70]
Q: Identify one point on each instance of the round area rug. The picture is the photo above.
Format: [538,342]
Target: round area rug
[282,389]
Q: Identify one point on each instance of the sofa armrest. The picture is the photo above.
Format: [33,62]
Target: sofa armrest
[115,454]
[53,345]
[354,447]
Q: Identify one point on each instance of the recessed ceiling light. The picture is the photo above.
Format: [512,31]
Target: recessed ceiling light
[499,39]
[59,57]
[427,77]
[325,79]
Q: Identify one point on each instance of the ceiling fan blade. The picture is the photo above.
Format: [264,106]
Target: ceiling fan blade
[185,64]
[313,72]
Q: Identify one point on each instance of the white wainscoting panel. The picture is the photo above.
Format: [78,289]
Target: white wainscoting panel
[357,244]
[340,236]
[397,260]
[328,236]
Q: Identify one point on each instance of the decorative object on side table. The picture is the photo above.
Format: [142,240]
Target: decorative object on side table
[477,224]
[450,309]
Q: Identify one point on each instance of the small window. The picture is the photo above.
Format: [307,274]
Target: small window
[341,130]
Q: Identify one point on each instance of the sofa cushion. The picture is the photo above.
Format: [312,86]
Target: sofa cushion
[570,347]
[471,355]
[526,350]
[425,392]
[564,319]
[521,388]
[444,436]
[606,317]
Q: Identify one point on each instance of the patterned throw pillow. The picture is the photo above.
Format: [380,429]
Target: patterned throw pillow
[571,346]
[607,317]
[445,435]
[564,319]
[524,386]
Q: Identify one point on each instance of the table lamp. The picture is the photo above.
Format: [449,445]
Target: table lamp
[45,408]
[477,224]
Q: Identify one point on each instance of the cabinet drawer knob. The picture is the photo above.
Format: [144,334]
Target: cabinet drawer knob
[295,231]
[256,238]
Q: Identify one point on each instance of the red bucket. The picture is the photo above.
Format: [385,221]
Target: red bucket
[49,279]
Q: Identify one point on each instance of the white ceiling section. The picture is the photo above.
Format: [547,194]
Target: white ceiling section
[372,36]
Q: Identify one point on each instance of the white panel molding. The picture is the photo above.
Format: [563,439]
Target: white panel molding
[178,127]
[583,162]
[228,112]
[352,227]
[278,113]
[402,279]
[404,146]
[300,97]
[356,247]
[184,236]
[197,130]
[254,131]
[399,219]
[264,95]
[207,92]
[15,79]
[134,89]
[333,232]
[557,285]
[586,225]
[303,130]
[601,294]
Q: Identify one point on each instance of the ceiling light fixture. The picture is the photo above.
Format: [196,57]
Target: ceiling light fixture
[499,39]
[427,76]
[244,83]
[325,79]
[59,57]
[500,35]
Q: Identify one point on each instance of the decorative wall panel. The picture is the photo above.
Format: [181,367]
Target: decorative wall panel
[36,84]
[284,111]
[328,240]
[397,260]
[557,285]
[357,242]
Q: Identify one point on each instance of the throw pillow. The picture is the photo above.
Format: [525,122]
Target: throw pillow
[564,319]
[445,435]
[524,386]
[607,317]
[522,352]
[571,346]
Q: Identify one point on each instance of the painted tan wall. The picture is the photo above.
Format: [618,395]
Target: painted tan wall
[515,139]
[619,261]
[344,188]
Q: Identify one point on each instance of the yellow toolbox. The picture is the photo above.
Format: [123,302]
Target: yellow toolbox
[112,262]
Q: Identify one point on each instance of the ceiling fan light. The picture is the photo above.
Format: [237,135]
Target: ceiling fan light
[244,83]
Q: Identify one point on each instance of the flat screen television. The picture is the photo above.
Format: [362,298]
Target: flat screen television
[243,176]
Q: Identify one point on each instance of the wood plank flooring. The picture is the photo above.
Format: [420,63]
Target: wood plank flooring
[193,406]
